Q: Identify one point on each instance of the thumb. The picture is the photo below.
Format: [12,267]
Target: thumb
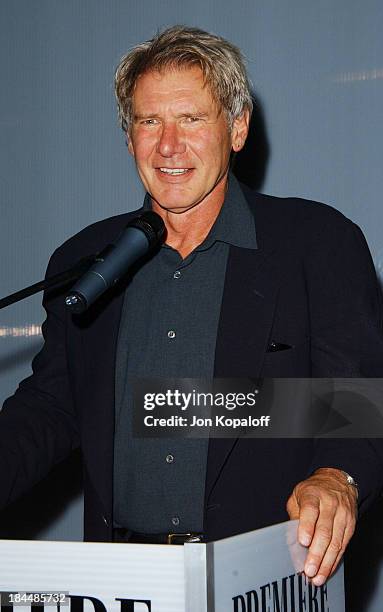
[292,507]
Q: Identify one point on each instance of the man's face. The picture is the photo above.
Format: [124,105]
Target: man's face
[180,141]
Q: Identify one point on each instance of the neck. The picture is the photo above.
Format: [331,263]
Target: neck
[187,230]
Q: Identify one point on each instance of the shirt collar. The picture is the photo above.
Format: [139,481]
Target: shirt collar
[235,224]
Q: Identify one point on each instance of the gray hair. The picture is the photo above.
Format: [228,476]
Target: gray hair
[221,62]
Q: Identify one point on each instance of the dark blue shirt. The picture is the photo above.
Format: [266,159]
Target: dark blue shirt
[168,329]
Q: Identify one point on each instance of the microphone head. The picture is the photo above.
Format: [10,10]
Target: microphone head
[153,227]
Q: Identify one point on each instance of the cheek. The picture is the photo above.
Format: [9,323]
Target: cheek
[209,146]
[143,157]
[142,147]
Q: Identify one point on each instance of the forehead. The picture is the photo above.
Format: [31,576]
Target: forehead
[172,85]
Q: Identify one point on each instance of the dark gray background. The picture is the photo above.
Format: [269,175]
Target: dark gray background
[317,69]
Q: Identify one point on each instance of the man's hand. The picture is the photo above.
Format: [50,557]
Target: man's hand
[326,506]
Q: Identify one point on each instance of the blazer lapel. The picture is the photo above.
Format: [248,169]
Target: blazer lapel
[247,311]
[249,298]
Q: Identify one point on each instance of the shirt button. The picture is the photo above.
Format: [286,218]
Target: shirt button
[169,458]
[177,274]
[175,521]
[171,333]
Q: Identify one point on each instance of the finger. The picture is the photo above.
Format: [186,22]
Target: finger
[346,539]
[296,551]
[308,516]
[321,540]
[337,561]
[335,548]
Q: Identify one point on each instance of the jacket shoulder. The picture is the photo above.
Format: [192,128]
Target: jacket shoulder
[268,205]
[295,218]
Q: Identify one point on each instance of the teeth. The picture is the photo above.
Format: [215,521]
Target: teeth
[174,171]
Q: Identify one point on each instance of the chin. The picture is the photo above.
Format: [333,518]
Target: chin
[180,200]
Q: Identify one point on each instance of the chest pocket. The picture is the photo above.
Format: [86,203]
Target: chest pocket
[289,362]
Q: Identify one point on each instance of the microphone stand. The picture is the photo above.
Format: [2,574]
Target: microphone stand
[77,270]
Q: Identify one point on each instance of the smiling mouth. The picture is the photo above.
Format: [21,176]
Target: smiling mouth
[174,171]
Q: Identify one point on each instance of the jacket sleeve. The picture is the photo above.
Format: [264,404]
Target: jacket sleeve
[37,424]
[346,341]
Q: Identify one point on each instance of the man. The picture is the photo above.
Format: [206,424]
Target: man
[240,276]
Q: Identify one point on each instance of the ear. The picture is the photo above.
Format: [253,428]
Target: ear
[240,131]
[129,143]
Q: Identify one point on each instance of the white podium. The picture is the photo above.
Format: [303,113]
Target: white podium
[258,571]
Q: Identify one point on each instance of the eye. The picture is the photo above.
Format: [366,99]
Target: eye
[193,119]
[149,122]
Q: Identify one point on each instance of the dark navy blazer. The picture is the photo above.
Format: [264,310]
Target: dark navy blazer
[310,285]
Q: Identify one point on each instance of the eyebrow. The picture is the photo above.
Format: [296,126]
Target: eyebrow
[146,116]
[197,113]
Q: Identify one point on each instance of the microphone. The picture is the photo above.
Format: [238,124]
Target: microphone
[141,235]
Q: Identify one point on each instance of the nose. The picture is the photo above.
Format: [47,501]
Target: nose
[171,140]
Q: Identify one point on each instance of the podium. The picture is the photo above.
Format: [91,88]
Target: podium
[259,571]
